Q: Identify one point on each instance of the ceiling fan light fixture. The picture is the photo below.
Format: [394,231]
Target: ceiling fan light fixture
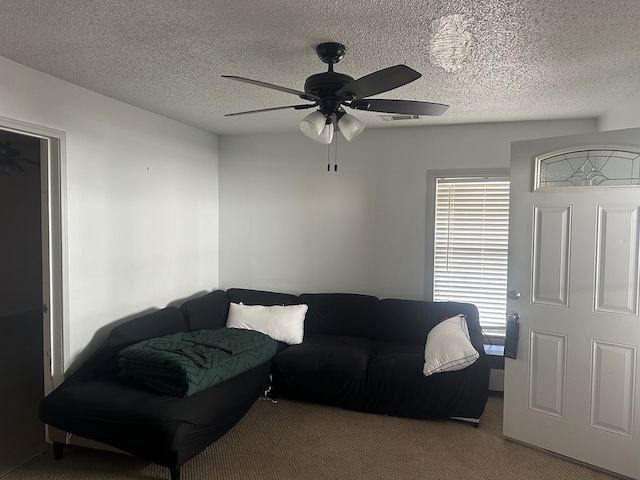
[313,124]
[326,136]
[350,126]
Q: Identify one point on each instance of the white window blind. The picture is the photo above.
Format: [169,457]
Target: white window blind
[471,246]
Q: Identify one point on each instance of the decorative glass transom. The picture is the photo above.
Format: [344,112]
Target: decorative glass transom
[588,167]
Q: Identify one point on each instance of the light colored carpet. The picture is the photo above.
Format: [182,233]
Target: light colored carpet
[293,441]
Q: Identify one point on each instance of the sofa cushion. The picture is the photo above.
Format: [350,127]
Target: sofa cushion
[345,314]
[396,386]
[208,311]
[388,348]
[410,321]
[324,369]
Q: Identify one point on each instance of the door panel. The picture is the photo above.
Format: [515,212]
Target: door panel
[574,241]
[551,232]
[613,370]
[617,259]
[547,373]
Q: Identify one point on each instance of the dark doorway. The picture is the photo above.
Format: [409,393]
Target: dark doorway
[21,321]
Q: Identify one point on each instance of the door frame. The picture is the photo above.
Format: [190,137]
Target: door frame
[53,196]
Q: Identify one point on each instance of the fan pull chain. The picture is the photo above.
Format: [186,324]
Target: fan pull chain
[335,154]
[335,158]
[328,158]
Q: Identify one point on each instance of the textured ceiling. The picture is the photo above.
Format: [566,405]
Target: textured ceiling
[514,60]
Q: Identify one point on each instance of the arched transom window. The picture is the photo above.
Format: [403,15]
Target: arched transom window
[588,167]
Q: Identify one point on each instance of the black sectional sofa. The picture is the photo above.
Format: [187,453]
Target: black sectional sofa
[359,353]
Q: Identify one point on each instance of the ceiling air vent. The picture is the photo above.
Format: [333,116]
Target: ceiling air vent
[393,118]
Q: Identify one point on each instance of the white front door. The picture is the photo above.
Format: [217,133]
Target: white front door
[574,244]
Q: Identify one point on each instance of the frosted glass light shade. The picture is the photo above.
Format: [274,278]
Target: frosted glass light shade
[326,135]
[350,126]
[313,124]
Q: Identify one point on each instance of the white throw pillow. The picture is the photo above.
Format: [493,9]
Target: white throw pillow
[282,323]
[448,347]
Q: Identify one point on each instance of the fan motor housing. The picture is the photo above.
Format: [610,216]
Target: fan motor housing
[326,83]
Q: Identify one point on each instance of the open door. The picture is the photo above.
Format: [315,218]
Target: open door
[54,250]
[574,276]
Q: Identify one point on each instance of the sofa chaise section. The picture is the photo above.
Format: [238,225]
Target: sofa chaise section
[95,402]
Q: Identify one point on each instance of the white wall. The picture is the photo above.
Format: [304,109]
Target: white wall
[286,224]
[624,115]
[142,200]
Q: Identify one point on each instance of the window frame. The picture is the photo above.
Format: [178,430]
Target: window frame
[432,179]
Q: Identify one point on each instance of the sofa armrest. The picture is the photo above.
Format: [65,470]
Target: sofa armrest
[104,360]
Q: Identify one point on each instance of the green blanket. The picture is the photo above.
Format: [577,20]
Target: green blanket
[185,363]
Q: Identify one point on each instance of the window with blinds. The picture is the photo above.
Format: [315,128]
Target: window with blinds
[471,246]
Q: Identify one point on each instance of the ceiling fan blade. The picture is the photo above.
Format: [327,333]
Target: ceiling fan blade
[15,165]
[379,82]
[407,107]
[303,95]
[295,107]
[30,162]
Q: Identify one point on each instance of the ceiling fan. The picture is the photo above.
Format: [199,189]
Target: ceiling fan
[331,91]
[10,158]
